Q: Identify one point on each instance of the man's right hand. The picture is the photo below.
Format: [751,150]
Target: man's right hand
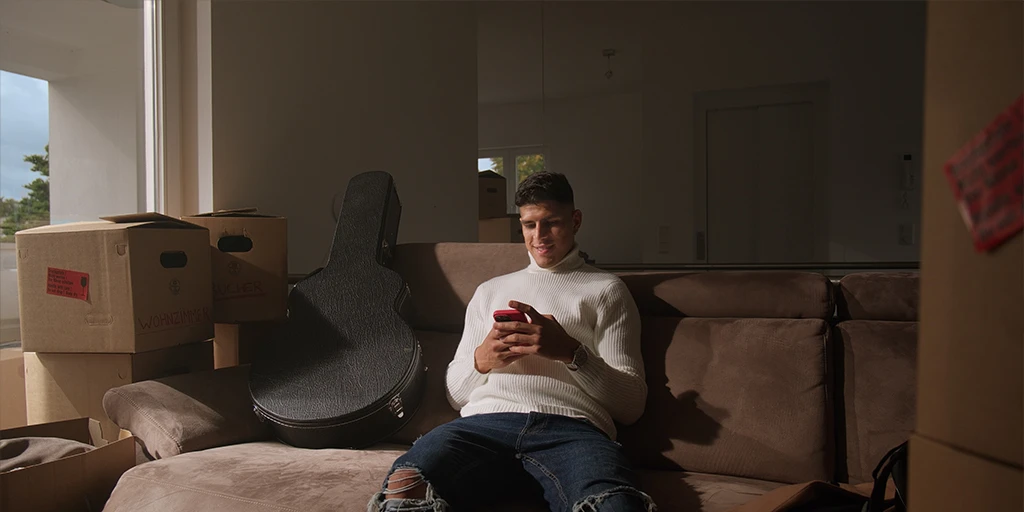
[493,353]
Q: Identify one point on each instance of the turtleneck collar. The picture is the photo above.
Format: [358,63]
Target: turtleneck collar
[572,261]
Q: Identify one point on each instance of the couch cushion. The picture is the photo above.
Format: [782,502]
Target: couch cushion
[743,397]
[877,379]
[732,294]
[879,296]
[187,412]
[676,491]
[254,476]
[443,277]
[271,476]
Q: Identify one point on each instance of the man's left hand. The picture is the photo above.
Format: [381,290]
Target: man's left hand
[543,336]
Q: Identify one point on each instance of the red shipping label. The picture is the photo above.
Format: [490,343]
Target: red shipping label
[67,283]
[987,178]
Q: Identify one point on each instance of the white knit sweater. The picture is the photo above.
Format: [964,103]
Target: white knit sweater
[596,309]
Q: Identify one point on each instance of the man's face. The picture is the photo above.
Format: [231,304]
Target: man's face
[549,230]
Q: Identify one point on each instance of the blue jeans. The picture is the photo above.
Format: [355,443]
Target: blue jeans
[487,458]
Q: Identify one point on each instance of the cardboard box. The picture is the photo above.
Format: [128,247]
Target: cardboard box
[235,344]
[492,195]
[65,386]
[942,478]
[970,358]
[80,482]
[250,264]
[505,229]
[12,387]
[131,283]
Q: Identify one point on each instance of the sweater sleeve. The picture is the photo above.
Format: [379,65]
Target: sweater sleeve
[462,377]
[614,376]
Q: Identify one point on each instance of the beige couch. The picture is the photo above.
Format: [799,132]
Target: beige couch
[757,379]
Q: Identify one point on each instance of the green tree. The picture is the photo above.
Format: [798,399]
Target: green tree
[37,203]
[33,209]
[7,206]
[525,166]
[498,165]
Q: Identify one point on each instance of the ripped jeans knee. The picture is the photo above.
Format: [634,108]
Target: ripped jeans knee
[616,499]
[408,479]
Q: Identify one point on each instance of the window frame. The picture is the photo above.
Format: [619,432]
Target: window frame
[508,156]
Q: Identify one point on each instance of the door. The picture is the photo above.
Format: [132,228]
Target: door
[760,176]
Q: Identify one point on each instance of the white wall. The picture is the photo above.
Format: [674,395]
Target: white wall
[308,94]
[871,54]
[510,125]
[596,142]
[94,139]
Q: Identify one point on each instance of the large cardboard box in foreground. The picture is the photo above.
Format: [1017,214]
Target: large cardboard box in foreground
[80,482]
[944,478]
[250,264]
[12,387]
[131,283]
[65,386]
[493,202]
[971,349]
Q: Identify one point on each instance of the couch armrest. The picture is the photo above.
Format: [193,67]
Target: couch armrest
[187,413]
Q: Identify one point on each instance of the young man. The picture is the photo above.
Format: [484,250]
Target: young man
[538,399]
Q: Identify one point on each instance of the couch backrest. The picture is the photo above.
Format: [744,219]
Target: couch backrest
[876,366]
[443,277]
[739,364]
[737,374]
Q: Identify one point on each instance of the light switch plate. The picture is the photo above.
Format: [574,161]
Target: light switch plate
[908,234]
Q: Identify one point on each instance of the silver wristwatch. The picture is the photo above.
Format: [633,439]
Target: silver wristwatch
[579,358]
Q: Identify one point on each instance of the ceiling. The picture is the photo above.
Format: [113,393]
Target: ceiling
[74,23]
[43,35]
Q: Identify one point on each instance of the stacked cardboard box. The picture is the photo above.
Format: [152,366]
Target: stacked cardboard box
[968,449]
[12,386]
[496,225]
[108,303]
[249,254]
[79,482]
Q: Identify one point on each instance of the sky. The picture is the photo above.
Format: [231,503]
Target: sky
[483,164]
[24,130]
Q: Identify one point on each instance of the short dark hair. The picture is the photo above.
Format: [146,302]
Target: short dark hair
[544,186]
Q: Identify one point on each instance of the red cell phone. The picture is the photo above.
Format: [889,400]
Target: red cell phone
[510,315]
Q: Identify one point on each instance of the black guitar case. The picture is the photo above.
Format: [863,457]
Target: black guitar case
[345,369]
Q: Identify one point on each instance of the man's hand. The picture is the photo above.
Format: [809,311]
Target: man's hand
[543,336]
[493,353]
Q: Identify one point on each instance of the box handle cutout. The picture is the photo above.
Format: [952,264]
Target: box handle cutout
[234,243]
[173,259]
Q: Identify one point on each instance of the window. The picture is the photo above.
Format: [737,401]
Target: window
[24,180]
[528,160]
[76,131]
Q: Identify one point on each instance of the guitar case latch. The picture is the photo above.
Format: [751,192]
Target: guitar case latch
[395,406]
